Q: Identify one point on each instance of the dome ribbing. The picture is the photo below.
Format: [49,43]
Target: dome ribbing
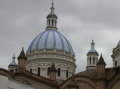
[50,39]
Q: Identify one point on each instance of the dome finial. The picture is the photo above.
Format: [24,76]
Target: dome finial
[13,58]
[92,44]
[52,7]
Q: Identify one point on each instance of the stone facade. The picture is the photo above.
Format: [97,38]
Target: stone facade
[99,78]
[87,79]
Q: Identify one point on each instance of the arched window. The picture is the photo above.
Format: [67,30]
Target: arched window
[49,22]
[39,71]
[48,70]
[90,60]
[58,73]
[52,22]
[93,60]
[66,73]
[55,23]
[115,63]
[30,70]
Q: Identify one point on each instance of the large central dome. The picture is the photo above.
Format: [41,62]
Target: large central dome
[50,39]
[48,47]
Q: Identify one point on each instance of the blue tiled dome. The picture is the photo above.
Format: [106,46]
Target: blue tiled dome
[13,63]
[50,39]
[92,51]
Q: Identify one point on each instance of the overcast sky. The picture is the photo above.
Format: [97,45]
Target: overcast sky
[79,20]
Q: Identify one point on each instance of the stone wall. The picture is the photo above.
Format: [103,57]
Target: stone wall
[3,82]
[18,85]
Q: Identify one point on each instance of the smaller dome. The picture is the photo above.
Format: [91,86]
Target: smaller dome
[52,15]
[13,63]
[92,51]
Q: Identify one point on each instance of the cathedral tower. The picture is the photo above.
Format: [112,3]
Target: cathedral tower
[92,57]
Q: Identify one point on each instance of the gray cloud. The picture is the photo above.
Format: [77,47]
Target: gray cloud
[79,20]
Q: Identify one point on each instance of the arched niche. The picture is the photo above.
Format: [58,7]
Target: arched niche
[78,83]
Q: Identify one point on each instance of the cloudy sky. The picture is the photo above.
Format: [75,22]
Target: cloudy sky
[79,20]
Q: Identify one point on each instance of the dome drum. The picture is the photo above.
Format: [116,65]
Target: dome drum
[57,54]
[43,57]
[44,64]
